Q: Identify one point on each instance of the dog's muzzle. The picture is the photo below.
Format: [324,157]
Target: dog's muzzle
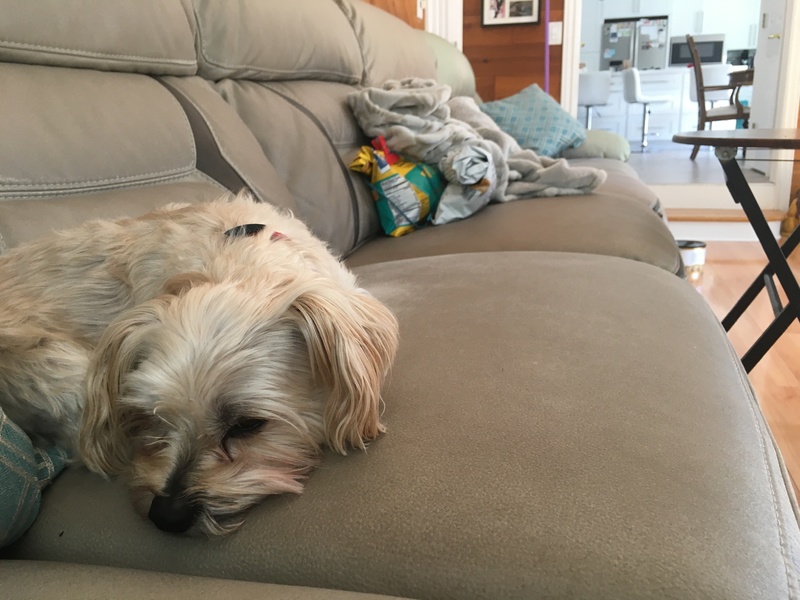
[172,513]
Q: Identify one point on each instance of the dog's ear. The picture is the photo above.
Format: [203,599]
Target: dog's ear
[182,282]
[102,442]
[352,339]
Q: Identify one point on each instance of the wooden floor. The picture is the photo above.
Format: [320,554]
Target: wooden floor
[729,270]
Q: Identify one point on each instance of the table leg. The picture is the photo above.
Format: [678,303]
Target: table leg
[768,338]
[758,283]
[776,257]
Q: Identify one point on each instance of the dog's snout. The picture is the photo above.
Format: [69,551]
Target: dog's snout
[172,513]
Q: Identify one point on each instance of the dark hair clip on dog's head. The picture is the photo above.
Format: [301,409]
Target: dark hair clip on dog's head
[245,230]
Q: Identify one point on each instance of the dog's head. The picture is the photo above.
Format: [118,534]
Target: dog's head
[209,399]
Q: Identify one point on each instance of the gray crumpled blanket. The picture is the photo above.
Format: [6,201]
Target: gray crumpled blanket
[420,120]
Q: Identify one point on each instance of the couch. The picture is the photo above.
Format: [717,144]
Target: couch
[566,418]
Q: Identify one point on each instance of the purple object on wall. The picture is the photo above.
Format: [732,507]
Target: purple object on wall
[547,46]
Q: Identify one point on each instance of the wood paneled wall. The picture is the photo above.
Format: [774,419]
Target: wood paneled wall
[404,9]
[508,58]
[505,58]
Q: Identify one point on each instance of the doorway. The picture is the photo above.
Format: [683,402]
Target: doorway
[776,88]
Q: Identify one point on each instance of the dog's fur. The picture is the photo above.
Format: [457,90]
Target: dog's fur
[198,366]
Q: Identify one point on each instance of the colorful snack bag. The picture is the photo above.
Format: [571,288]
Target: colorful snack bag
[406,194]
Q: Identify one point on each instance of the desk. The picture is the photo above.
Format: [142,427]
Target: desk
[726,144]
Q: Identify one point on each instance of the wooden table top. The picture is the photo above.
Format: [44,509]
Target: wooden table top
[777,139]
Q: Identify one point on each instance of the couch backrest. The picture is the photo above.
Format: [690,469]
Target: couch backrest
[287,69]
[139,36]
[112,107]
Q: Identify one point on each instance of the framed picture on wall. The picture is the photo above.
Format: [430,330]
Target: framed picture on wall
[510,12]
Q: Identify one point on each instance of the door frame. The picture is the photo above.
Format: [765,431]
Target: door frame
[571,51]
[788,102]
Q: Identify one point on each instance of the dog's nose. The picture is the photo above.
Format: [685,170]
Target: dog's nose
[172,513]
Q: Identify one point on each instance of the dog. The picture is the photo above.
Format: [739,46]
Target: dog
[206,353]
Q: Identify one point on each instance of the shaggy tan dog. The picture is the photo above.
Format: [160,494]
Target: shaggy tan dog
[204,352]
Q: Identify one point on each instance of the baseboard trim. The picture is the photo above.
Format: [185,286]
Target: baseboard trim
[713,196]
[717,215]
[716,231]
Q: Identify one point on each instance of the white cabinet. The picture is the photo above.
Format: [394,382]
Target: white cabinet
[620,9]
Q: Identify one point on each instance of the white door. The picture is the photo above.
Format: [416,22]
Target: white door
[767,75]
[445,18]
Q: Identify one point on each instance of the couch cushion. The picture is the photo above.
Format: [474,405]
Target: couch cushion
[600,144]
[536,121]
[452,66]
[612,165]
[142,36]
[559,425]
[227,150]
[266,41]
[71,135]
[25,219]
[35,580]
[390,48]
[622,180]
[73,130]
[323,137]
[616,220]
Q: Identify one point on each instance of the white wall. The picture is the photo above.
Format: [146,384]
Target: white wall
[737,19]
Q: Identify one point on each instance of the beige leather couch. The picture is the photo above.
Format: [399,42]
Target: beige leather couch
[566,417]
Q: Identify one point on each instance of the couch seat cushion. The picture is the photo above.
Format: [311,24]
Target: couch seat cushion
[559,425]
[36,580]
[619,219]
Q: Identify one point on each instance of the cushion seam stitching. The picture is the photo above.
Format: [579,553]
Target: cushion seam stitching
[767,470]
[88,53]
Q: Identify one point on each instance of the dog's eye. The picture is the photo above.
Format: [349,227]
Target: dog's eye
[245,427]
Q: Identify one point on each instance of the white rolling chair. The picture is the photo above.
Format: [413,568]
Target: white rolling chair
[632,92]
[594,89]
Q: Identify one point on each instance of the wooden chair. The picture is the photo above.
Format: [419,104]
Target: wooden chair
[734,110]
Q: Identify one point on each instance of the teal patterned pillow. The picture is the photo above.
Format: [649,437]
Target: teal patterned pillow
[536,121]
[24,472]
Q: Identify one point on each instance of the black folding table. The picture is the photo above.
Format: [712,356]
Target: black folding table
[726,145]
